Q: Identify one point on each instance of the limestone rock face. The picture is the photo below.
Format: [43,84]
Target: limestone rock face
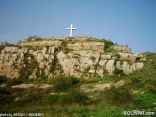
[110,66]
[15,61]
[84,60]
[120,48]
[127,56]
[43,43]
[97,46]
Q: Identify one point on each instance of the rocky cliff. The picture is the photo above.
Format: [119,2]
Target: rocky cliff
[83,57]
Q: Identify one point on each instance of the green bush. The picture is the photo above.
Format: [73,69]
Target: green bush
[62,83]
[117,56]
[137,59]
[65,50]
[30,96]
[3,79]
[68,98]
[118,96]
[79,97]
[11,82]
[135,81]
[110,49]
[93,58]
[151,86]
[5,97]
[108,43]
[118,72]
[33,38]
[4,90]
[4,44]
[145,101]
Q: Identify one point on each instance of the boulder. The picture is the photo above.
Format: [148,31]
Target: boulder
[110,67]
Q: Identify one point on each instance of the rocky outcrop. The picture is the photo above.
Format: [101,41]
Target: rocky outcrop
[43,43]
[94,46]
[15,62]
[83,60]
[121,48]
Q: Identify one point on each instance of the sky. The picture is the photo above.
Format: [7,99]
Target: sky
[131,22]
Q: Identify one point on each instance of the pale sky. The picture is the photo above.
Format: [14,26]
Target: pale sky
[131,22]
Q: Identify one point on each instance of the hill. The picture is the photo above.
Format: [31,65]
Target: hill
[114,93]
[82,57]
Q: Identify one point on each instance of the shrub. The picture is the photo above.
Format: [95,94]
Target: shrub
[135,82]
[4,90]
[118,96]
[62,83]
[30,96]
[33,38]
[110,49]
[137,59]
[151,86]
[108,43]
[79,97]
[68,98]
[3,79]
[118,72]
[4,44]
[5,97]
[11,82]
[29,67]
[65,50]
[93,58]
[117,56]
[145,101]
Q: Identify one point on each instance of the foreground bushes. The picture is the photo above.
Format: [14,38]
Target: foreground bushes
[118,96]
[73,96]
[9,82]
[61,83]
[3,79]
[5,96]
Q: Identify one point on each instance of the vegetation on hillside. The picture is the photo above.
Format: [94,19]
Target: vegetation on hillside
[68,98]
[70,39]
[4,44]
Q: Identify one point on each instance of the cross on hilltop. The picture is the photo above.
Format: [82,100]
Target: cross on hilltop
[71,29]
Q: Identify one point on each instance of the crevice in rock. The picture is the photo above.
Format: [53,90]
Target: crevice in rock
[97,65]
[29,64]
[54,62]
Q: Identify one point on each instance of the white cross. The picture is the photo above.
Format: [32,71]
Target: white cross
[71,29]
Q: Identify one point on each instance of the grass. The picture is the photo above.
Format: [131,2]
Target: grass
[69,98]
[145,101]
[62,83]
[10,82]
[118,96]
